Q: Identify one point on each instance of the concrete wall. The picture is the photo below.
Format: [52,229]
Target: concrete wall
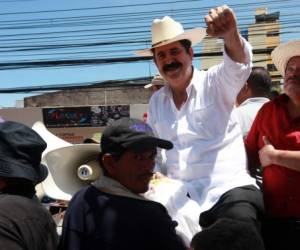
[27,116]
[74,135]
[91,96]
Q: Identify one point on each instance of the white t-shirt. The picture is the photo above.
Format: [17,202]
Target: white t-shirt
[246,112]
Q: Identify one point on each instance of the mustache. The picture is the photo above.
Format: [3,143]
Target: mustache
[171,66]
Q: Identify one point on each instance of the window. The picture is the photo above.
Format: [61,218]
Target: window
[272,33]
[271,67]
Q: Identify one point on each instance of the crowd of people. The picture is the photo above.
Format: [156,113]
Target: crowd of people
[209,130]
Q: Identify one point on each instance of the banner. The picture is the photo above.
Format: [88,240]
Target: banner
[86,116]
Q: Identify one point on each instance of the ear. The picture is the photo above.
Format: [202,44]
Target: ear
[109,164]
[191,52]
[154,59]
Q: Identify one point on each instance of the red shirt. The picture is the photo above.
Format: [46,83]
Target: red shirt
[281,186]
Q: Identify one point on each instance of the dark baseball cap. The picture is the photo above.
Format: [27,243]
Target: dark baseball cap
[129,133]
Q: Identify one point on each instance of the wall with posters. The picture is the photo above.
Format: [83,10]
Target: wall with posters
[74,124]
[85,116]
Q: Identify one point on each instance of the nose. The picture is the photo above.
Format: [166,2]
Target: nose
[148,160]
[168,58]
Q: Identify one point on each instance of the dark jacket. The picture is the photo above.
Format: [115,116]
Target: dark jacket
[25,224]
[97,220]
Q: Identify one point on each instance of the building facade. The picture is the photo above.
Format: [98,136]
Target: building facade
[264,36]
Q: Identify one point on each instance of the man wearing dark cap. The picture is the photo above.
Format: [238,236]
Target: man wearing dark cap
[24,222]
[112,213]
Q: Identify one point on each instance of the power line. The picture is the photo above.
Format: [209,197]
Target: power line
[104,40]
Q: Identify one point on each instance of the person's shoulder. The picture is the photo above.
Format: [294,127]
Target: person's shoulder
[270,105]
[9,200]
[142,205]
[23,208]
[85,192]
[153,208]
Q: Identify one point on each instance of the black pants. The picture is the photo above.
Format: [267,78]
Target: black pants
[242,203]
[281,234]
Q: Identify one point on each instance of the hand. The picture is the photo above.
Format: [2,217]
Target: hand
[220,21]
[266,153]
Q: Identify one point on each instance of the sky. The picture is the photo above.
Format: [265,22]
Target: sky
[40,30]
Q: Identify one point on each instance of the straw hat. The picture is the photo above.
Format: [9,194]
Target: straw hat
[283,53]
[167,30]
[157,80]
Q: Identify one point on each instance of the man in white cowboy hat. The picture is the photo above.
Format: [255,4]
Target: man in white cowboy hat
[273,143]
[194,111]
[24,222]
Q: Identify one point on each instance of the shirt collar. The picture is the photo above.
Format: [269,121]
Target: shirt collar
[281,99]
[255,100]
[111,186]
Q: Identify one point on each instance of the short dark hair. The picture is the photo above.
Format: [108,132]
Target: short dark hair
[228,234]
[260,82]
[186,44]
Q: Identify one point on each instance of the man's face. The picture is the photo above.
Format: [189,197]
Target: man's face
[134,170]
[173,62]
[292,77]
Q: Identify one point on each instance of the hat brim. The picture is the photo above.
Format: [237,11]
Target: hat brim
[143,142]
[147,86]
[153,84]
[25,171]
[195,35]
[283,53]
[43,173]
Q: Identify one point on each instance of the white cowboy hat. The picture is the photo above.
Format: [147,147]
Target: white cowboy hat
[167,30]
[283,53]
[157,80]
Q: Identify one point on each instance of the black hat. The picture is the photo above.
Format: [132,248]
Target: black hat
[21,149]
[127,133]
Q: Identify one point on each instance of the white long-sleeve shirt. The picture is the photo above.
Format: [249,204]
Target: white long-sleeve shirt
[208,154]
